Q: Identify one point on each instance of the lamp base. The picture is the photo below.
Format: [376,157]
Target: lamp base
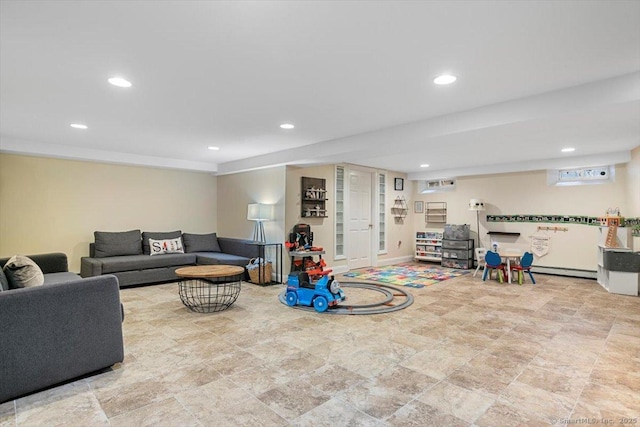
[258,232]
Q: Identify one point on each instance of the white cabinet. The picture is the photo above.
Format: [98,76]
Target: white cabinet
[617,282]
[429,245]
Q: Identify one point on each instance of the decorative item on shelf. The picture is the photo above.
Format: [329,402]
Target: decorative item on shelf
[259,212]
[477,205]
[313,198]
[315,194]
[613,220]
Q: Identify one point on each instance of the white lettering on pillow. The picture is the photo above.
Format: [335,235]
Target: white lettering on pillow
[168,246]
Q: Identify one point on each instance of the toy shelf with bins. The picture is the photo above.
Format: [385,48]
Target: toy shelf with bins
[429,245]
[314,198]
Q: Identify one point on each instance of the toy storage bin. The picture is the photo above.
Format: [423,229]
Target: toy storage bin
[455,244]
[456,232]
[457,263]
[463,254]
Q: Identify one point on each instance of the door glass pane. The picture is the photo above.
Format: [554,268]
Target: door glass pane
[339,209]
[382,238]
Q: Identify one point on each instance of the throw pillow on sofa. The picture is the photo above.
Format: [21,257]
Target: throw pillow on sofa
[4,280]
[168,246]
[117,243]
[22,272]
[155,235]
[201,242]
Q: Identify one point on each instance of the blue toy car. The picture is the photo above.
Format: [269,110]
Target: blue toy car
[325,293]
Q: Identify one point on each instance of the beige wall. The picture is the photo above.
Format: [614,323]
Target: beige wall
[399,240]
[528,193]
[237,191]
[400,235]
[49,205]
[55,205]
[322,228]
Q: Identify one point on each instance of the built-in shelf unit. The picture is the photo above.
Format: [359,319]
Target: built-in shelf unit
[314,198]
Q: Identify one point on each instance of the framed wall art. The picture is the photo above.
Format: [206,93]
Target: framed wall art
[398,184]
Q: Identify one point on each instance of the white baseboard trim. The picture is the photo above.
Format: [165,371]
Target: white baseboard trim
[380,263]
[340,269]
[555,271]
[391,261]
[559,271]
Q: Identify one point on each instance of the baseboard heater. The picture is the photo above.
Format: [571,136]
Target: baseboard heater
[560,271]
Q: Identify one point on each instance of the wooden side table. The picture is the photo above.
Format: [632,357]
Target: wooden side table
[209,288]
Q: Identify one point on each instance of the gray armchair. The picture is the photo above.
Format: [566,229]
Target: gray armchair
[57,332]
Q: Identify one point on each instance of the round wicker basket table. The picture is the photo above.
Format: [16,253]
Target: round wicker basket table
[209,288]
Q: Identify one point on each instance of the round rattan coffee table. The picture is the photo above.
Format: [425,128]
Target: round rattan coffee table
[209,288]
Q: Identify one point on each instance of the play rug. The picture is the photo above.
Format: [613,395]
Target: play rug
[412,275]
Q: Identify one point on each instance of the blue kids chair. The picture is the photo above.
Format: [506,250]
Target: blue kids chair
[525,265]
[494,262]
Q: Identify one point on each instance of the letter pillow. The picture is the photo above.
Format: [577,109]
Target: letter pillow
[168,246]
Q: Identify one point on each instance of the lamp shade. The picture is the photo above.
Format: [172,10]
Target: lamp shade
[259,212]
[476,205]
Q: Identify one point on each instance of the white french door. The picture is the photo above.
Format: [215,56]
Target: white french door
[359,224]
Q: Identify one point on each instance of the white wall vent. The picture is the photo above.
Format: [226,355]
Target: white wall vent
[436,185]
[581,176]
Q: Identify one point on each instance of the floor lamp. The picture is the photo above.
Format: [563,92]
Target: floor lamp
[259,212]
[477,205]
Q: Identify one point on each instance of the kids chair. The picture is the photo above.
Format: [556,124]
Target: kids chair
[480,253]
[493,262]
[525,265]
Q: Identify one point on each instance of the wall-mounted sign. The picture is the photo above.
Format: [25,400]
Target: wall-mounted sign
[540,244]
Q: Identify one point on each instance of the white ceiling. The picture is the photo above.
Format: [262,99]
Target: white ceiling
[354,77]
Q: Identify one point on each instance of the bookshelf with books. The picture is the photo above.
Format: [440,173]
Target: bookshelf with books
[428,245]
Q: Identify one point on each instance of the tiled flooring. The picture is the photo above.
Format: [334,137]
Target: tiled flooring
[466,353]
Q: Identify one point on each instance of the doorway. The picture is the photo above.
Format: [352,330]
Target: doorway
[360,224]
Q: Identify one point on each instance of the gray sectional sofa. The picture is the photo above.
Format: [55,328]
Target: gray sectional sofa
[130,255]
[52,333]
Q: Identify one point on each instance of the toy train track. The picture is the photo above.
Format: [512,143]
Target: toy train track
[394,299]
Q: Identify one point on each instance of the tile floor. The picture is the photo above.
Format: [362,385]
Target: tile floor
[466,353]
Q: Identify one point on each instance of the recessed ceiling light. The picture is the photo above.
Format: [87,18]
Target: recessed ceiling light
[214,148]
[445,79]
[424,165]
[287,126]
[78,126]
[119,81]
[568,150]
